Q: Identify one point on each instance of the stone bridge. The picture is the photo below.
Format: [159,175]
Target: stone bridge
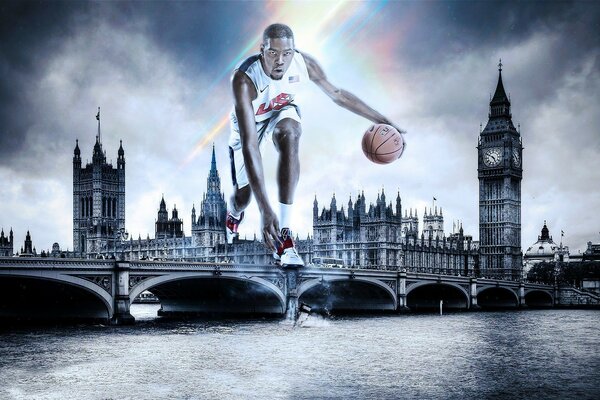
[38,288]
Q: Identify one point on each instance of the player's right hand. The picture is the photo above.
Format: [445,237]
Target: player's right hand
[270,229]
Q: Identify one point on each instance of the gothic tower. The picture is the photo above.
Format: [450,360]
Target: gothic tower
[98,200]
[433,224]
[500,171]
[6,244]
[410,224]
[166,228]
[209,229]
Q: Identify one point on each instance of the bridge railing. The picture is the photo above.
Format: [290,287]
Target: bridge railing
[58,263]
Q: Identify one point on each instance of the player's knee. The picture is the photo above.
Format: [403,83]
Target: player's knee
[241,196]
[285,133]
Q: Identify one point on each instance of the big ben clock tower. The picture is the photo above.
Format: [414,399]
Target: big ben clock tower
[500,170]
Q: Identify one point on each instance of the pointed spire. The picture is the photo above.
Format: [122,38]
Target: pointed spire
[545,232]
[121,152]
[500,103]
[213,163]
[98,156]
[98,119]
[77,152]
[163,205]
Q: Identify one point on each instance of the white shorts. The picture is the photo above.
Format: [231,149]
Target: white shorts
[264,129]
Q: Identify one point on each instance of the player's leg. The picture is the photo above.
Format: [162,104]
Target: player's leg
[286,137]
[241,195]
[240,199]
[242,192]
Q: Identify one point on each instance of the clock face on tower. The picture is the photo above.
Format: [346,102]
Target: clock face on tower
[492,157]
[516,158]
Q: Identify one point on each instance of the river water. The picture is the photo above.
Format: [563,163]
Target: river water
[504,355]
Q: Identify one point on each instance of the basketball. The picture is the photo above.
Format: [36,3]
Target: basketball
[382,144]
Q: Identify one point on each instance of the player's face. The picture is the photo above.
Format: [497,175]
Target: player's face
[277,55]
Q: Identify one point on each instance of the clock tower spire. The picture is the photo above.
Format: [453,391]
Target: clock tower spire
[500,172]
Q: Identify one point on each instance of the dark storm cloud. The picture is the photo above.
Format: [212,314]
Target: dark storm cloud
[452,28]
[31,32]
[202,34]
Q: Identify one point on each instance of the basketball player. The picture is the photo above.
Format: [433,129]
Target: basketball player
[266,108]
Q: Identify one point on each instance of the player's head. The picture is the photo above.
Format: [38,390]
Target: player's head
[277,50]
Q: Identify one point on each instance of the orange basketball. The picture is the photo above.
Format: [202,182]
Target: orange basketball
[382,144]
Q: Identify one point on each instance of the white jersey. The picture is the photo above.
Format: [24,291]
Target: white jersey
[272,95]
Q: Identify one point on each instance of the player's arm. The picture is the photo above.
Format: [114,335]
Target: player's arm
[243,94]
[342,97]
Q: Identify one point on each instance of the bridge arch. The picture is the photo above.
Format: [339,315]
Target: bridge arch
[98,302]
[426,295]
[197,292]
[538,298]
[495,296]
[345,293]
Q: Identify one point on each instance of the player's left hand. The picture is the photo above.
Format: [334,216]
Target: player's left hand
[388,122]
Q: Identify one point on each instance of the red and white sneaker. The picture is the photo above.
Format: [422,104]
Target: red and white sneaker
[231,226]
[286,254]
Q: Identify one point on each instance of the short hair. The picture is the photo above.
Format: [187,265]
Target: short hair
[277,31]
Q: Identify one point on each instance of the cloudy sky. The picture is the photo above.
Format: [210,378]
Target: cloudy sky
[160,73]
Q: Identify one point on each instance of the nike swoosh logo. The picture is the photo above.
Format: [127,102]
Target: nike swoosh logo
[262,90]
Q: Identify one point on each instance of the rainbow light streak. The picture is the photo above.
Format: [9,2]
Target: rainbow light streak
[364,22]
[229,68]
[212,133]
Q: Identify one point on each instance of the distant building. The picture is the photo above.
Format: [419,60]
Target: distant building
[544,250]
[98,200]
[592,253]
[208,228]
[168,228]
[6,244]
[361,237]
[28,250]
[378,237]
[500,171]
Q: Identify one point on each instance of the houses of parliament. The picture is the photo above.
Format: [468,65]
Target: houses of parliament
[378,234]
